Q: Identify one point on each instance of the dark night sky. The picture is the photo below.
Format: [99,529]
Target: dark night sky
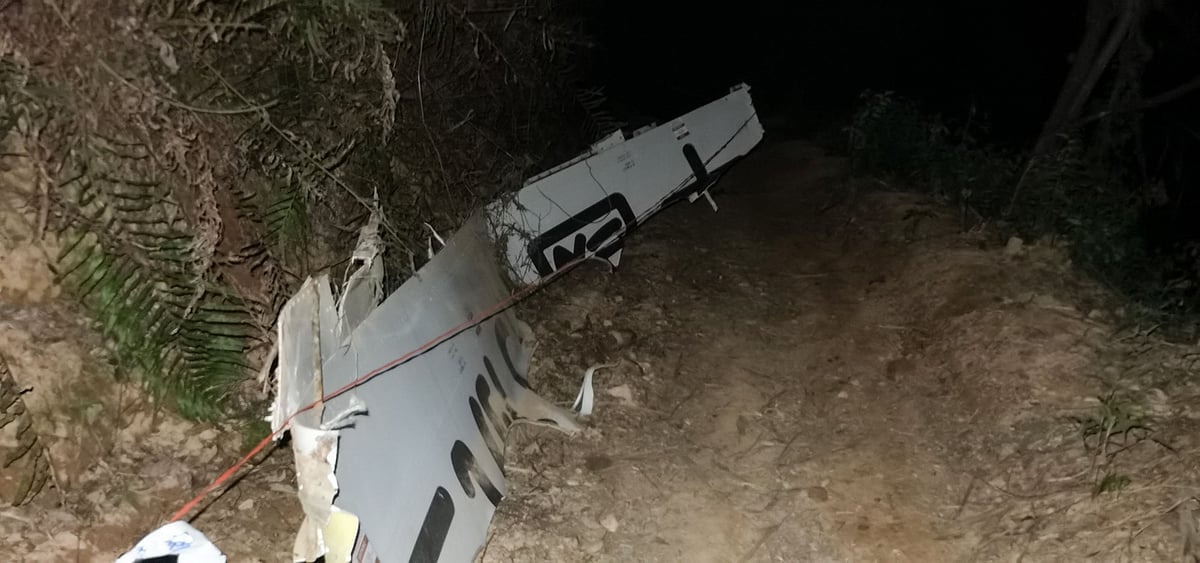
[1007,57]
[810,60]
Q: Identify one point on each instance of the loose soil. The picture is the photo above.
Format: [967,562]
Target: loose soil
[828,370]
[825,370]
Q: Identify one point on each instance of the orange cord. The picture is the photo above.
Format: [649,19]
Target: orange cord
[507,302]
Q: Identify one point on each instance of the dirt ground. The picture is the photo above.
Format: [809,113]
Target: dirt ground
[118,464]
[830,372]
[825,370]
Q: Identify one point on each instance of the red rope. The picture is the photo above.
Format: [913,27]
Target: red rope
[503,304]
[498,307]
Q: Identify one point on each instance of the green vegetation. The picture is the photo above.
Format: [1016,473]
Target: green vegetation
[198,160]
[1114,427]
[1077,193]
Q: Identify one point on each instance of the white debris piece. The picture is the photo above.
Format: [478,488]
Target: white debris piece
[409,464]
[177,539]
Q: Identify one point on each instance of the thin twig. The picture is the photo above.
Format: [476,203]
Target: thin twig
[770,531]
[181,105]
[266,118]
[421,103]
[1012,202]
[208,24]
[786,447]
[17,517]
[962,504]
[487,38]
[1148,103]
[62,494]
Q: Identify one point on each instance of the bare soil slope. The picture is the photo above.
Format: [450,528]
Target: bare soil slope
[111,464]
[823,371]
[830,372]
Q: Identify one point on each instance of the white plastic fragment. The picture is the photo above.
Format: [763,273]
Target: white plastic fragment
[179,539]
[586,399]
[441,241]
[315,457]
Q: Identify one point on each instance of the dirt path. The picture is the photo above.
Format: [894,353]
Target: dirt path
[113,463]
[822,373]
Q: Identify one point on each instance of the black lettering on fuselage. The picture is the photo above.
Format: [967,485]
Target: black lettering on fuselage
[434,528]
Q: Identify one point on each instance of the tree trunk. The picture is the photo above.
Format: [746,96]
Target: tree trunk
[1107,25]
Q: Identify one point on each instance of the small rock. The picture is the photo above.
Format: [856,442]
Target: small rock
[843,395]
[594,547]
[193,445]
[65,539]
[1013,247]
[610,523]
[247,504]
[622,338]
[819,494]
[622,392]
[1158,402]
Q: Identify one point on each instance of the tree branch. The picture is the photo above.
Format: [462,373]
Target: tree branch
[1148,103]
[1119,32]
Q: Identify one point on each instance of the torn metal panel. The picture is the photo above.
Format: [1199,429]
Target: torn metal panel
[306,329]
[363,289]
[298,337]
[424,471]
[410,464]
[584,207]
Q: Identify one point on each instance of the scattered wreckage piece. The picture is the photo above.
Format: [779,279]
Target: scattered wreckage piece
[419,476]
[585,206]
[399,410]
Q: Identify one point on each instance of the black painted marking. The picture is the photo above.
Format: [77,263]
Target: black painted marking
[467,467]
[697,165]
[502,341]
[487,365]
[489,437]
[485,398]
[602,242]
[434,528]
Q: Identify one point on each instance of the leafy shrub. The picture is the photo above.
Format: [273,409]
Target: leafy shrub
[1065,194]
